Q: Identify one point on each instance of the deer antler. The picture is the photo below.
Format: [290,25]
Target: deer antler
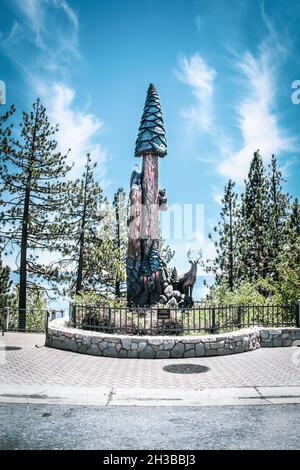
[197,259]
[200,255]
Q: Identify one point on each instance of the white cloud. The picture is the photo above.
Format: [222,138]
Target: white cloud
[47,33]
[78,130]
[195,72]
[257,118]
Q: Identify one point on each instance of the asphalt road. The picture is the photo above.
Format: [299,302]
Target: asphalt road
[35,426]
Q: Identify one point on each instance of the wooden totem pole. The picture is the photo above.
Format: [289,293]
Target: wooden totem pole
[144,265]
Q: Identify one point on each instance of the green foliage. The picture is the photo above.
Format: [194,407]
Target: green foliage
[35,313]
[225,266]
[32,191]
[254,223]
[248,293]
[5,286]
[257,248]
[79,242]
[94,299]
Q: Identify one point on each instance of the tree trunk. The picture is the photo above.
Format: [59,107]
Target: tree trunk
[117,283]
[82,237]
[23,264]
[80,264]
[231,249]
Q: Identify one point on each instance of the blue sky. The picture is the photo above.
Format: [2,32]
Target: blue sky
[223,70]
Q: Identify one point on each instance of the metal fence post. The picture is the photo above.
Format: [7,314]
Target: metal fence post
[213,321]
[239,316]
[47,314]
[5,320]
[298,313]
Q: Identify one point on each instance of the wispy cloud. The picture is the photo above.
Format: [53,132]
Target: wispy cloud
[195,72]
[78,130]
[43,43]
[256,113]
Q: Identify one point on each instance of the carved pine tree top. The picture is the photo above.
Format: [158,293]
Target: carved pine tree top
[151,135]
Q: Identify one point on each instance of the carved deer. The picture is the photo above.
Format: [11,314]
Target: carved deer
[187,280]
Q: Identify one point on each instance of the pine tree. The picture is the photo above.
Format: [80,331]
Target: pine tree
[80,238]
[33,190]
[5,286]
[225,267]
[255,230]
[294,231]
[294,219]
[278,204]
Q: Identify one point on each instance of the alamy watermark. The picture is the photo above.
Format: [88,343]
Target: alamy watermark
[295,97]
[2,92]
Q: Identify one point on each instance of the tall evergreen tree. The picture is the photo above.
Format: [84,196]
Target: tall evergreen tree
[5,285]
[278,204]
[255,230]
[80,239]
[294,219]
[294,231]
[32,191]
[225,266]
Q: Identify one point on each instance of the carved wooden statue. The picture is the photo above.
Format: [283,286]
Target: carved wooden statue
[148,279]
[144,266]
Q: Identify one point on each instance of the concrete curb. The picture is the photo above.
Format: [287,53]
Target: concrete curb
[104,396]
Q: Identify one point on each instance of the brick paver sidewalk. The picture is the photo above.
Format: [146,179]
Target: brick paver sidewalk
[23,363]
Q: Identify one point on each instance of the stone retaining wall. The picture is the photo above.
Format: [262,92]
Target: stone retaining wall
[163,347]
[277,337]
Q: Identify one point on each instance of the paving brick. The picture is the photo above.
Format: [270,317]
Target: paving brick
[42,365]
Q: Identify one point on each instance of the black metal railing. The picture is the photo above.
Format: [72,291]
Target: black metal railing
[36,318]
[199,319]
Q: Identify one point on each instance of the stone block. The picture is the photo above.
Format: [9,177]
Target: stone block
[147,353]
[132,353]
[168,291]
[123,353]
[178,350]
[211,352]
[126,343]
[277,342]
[168,344]
[199,348]
[142,346]
[162,354]
[190,353]
[264,334]
[223,352]
[217,345]
[110,351]
[156,341]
